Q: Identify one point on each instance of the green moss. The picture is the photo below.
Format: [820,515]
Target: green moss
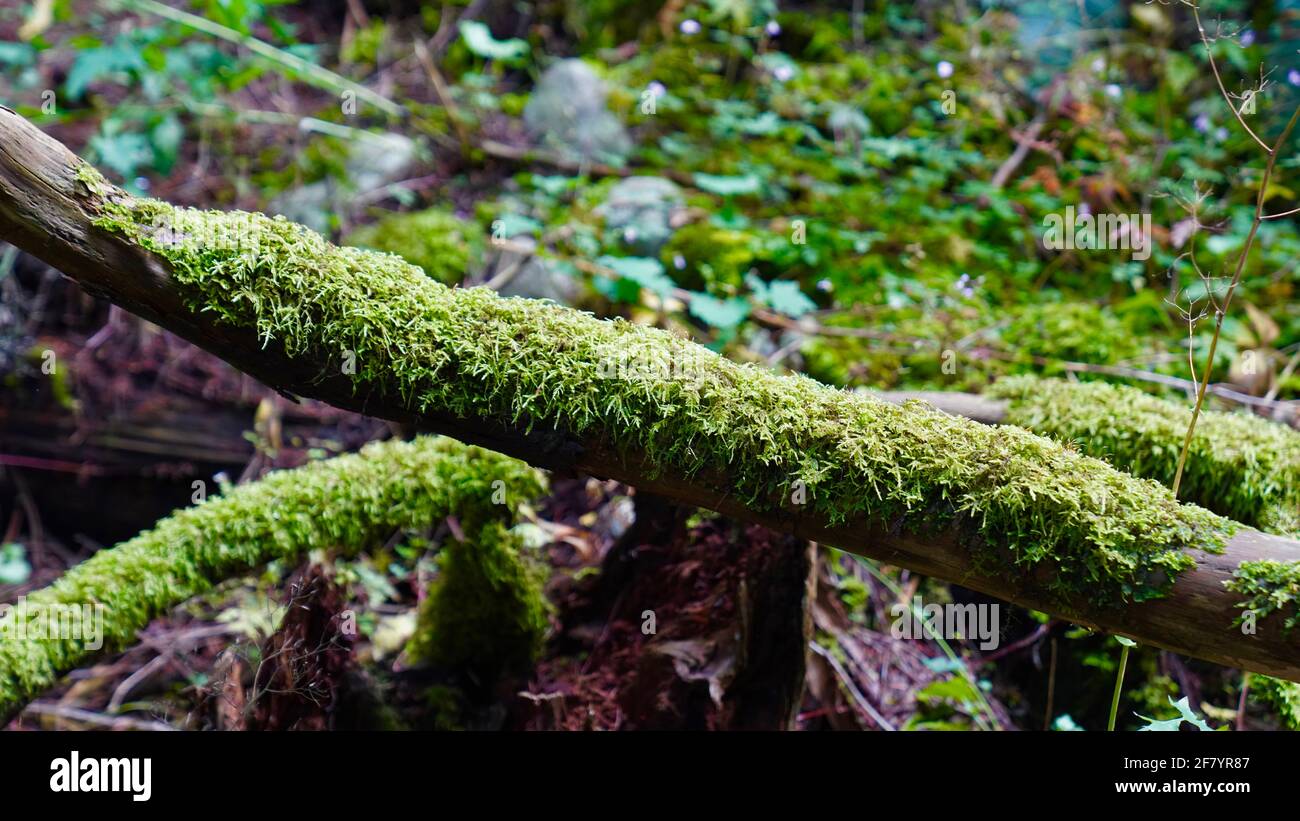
[1027,505]
[716,258]
[1239,465]
[1282,696]
[485,612]
[1270,587]
[1072,332]
[436,240]
[347,503]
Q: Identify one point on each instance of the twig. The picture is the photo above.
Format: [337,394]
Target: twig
[1236,279]
[852,687]
[316,75]
[96,719]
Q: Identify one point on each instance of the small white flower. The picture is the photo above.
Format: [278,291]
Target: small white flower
[1114,92]
[629,235]
[773,28]
[1293,77]
[689,27]
[945,69]
[1221,134]
[656,89]
[783,73]
[1098,66]
[1201,123]
[679,262]
[825,285]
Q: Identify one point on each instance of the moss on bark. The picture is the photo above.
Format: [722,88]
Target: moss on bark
[347,503]
[1239,465]
[1029,504]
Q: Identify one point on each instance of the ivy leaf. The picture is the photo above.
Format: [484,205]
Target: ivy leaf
[718,313]
[478,38]
[728,186]
[93,64]
[782,296]
[124,153]
[508,226]
[1185,713]
[786,297]
[643,271]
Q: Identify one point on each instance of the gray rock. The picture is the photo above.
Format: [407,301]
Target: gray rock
[567,113]
[535,279]
[374,160]
[641,209]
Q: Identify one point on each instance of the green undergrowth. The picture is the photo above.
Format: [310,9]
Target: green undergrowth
[1270,586]
[1239,465]
[1025,503]
[1283,696]
[436,240]
[347,503]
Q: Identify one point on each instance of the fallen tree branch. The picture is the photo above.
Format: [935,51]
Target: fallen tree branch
[997,510]
[1241,466]
[347,503]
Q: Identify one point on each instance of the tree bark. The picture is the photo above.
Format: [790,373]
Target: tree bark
[47,211]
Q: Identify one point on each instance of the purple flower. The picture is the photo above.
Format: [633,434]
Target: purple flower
[1221,134]
[773,28]
[1114,92]
[656,89]
[783,73]
[945,69]
[1293,77]
[689,27]
[1247,38]
[965,286]
[679,262]
[1201,123]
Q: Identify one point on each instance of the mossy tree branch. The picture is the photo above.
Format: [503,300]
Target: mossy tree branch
[997,509]
[347,503]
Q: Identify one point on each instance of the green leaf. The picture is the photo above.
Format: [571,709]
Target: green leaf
[18,55]
[643,271]
[718,313]
[787,298]
[512,225]
[478,38]
[1185,710]
[728,186]
[1185,713]
[166,137]
[93,64]
[124,153]
[14,568]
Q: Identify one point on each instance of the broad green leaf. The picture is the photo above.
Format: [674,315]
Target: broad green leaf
[718,313]
[728,186]
[478,38]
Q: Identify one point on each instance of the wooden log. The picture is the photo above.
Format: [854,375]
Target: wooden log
[48,208]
